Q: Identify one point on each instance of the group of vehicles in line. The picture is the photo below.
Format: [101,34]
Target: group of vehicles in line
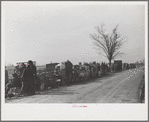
[54,75]
[60,74]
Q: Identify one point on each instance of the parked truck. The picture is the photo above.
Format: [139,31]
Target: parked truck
[118,65]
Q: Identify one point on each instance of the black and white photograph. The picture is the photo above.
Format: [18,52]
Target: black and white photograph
[74,54]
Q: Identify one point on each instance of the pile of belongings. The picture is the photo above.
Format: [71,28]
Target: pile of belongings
[41,78]
[87,70]
[59,68]
[82,72]
[104,68]
[60,71]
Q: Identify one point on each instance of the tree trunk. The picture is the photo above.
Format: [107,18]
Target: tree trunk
[109,65]
[109,62]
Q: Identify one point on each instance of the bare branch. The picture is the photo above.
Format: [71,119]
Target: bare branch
[117,54]
[102,55]
[99,41]
[108,44]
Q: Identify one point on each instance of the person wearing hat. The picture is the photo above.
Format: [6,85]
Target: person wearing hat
[33,82]
[27,77]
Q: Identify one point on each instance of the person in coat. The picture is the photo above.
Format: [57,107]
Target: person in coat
[35,83]
[27,77]
[69,71]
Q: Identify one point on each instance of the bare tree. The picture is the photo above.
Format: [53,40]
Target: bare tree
[107,45]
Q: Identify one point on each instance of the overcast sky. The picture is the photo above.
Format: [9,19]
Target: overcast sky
[57,31]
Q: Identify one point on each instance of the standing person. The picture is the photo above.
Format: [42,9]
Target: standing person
[75,73]
[107,68]
[6,76]
[63,73]
[22,67]
[16,70]
[27,77]
[34,86]
[69,71]
[6,82]
[99,67]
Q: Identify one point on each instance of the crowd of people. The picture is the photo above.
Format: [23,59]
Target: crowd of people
[24,77]
[83,71]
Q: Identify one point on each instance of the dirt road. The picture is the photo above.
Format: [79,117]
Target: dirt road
[122,87]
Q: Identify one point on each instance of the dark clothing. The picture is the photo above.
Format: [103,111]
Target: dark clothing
[68,65]
[27,75]
[21,70]
[75,75]
[69,75]
[33,81]
[16,82]
[6,77]
[32,87]
[33,69]
[27,78]
[69,72]
[98,67]
[25,87]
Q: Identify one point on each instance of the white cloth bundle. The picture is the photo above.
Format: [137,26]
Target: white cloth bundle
[57,66]
[62,66]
